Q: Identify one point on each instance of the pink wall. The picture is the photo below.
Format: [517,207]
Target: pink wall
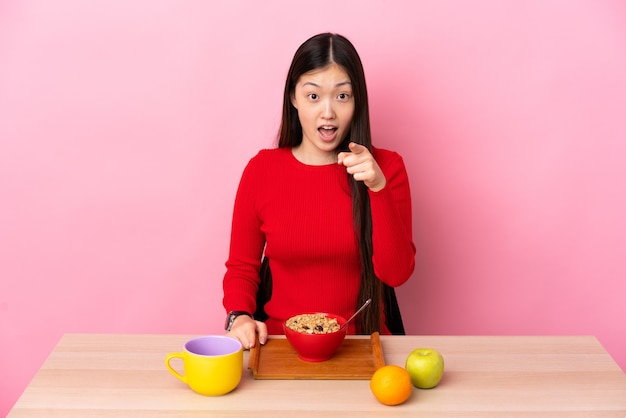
[124,127]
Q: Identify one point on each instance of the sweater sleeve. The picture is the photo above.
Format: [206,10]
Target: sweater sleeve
[393,246]
[241,280]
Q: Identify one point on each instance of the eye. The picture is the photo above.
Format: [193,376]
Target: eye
[343,96]
[313,96]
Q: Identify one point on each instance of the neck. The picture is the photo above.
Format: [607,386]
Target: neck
[314,158]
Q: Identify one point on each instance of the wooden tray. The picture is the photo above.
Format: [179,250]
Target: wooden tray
[357,358]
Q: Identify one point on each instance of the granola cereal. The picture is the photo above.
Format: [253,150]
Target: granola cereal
[313,324]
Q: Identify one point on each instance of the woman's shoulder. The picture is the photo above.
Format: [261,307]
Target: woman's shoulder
[268,157]
[272,154]
[385,157]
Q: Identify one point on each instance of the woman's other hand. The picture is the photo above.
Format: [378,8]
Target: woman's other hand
[245,330]
[361,164]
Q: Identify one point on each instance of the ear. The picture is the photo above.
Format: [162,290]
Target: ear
[292,97]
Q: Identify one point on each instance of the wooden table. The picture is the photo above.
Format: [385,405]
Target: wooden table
[125,376]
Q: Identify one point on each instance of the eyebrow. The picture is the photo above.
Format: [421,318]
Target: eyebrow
[341,84]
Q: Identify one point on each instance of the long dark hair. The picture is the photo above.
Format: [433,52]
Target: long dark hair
[318,52]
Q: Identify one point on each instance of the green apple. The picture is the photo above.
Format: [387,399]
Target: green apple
[425,365]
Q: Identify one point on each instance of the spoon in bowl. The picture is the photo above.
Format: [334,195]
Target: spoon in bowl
[367,302]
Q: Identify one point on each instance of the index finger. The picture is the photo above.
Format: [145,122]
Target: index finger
[262,331]
[357,148]
[353,148]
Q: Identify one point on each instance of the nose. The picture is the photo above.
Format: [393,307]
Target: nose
[328,111]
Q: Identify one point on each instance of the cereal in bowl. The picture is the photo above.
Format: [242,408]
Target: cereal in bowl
[313,324]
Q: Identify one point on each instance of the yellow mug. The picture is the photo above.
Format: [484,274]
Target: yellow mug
[212,364]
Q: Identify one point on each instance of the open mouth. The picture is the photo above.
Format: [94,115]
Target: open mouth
[327,132]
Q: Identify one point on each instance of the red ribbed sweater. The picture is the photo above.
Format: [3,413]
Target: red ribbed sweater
[302,216]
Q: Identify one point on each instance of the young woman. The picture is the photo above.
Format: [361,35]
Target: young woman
[331,213]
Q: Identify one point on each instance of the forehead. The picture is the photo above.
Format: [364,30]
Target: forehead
[329,76]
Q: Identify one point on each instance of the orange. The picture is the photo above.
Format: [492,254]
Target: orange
[391,385]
